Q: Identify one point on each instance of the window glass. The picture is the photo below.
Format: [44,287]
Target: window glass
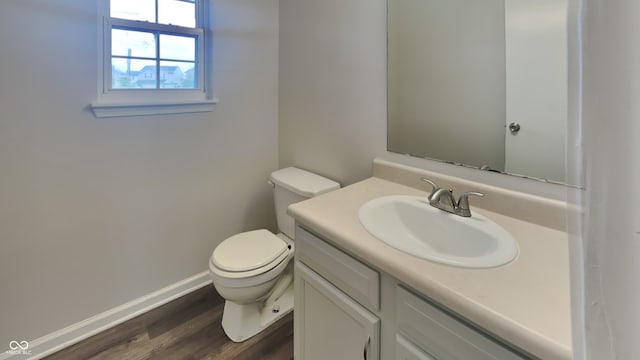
[133,74]
[177,12]
[154,45]
[177,75]
[177,47]
[142,10]
[133,43]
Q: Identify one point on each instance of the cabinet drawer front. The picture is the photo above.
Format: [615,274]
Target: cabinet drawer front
[405,350]
[351,276]
[442,335]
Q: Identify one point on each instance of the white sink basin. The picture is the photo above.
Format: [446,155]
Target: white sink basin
[410,224]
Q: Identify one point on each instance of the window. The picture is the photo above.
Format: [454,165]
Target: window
[154,57]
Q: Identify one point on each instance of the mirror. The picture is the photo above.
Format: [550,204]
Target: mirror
[480,83]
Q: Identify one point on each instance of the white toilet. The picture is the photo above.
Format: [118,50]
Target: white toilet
[253,270]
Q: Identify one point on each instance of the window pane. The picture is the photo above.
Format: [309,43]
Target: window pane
[177,12]
[177,48]
[177,75]
[133,43]
[143,10]
[133,74]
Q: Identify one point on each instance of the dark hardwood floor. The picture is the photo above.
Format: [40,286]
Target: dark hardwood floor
[187,328]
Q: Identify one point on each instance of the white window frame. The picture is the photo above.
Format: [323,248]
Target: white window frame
[132,102]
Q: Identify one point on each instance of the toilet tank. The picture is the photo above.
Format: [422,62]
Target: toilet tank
[291,185]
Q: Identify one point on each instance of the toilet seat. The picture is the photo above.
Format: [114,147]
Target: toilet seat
[249,251]
[267,266]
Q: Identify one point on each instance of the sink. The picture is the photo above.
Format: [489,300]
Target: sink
[410,224]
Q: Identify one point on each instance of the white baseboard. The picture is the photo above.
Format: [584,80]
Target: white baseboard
[77,332]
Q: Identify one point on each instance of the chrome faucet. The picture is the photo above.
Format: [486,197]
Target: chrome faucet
[443,199]
[462,208]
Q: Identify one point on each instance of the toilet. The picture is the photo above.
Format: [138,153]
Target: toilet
[253,270]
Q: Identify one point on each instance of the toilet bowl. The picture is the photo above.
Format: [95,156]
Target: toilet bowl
[250,275]
[253,270]
[253,285]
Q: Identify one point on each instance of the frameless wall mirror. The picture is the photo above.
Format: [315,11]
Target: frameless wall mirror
[480,83]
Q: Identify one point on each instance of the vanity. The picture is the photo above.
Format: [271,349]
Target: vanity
[476,83]
[359,298]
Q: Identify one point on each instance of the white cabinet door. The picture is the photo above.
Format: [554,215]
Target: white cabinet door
[329,324]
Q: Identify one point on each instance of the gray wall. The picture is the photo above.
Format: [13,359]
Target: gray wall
[332,86]
[98,212]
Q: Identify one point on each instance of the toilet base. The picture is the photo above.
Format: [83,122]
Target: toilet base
[240,322]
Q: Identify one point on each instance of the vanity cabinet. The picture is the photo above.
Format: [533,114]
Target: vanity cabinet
[345,309]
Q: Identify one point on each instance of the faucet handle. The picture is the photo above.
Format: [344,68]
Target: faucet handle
[434,187]
[463,203]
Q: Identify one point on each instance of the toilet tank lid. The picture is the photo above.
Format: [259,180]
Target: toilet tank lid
[303,182]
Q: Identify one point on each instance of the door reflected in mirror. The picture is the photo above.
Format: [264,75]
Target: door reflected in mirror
[480,83]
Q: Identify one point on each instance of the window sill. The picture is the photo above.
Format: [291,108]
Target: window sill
[103,110]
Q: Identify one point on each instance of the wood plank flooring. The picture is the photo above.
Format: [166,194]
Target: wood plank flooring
[187,328]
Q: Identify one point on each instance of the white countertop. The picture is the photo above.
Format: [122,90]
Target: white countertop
[525,302]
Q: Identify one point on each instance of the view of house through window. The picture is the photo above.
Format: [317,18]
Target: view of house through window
[154,44]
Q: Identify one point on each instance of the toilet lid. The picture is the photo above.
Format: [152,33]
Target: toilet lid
[248,251]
